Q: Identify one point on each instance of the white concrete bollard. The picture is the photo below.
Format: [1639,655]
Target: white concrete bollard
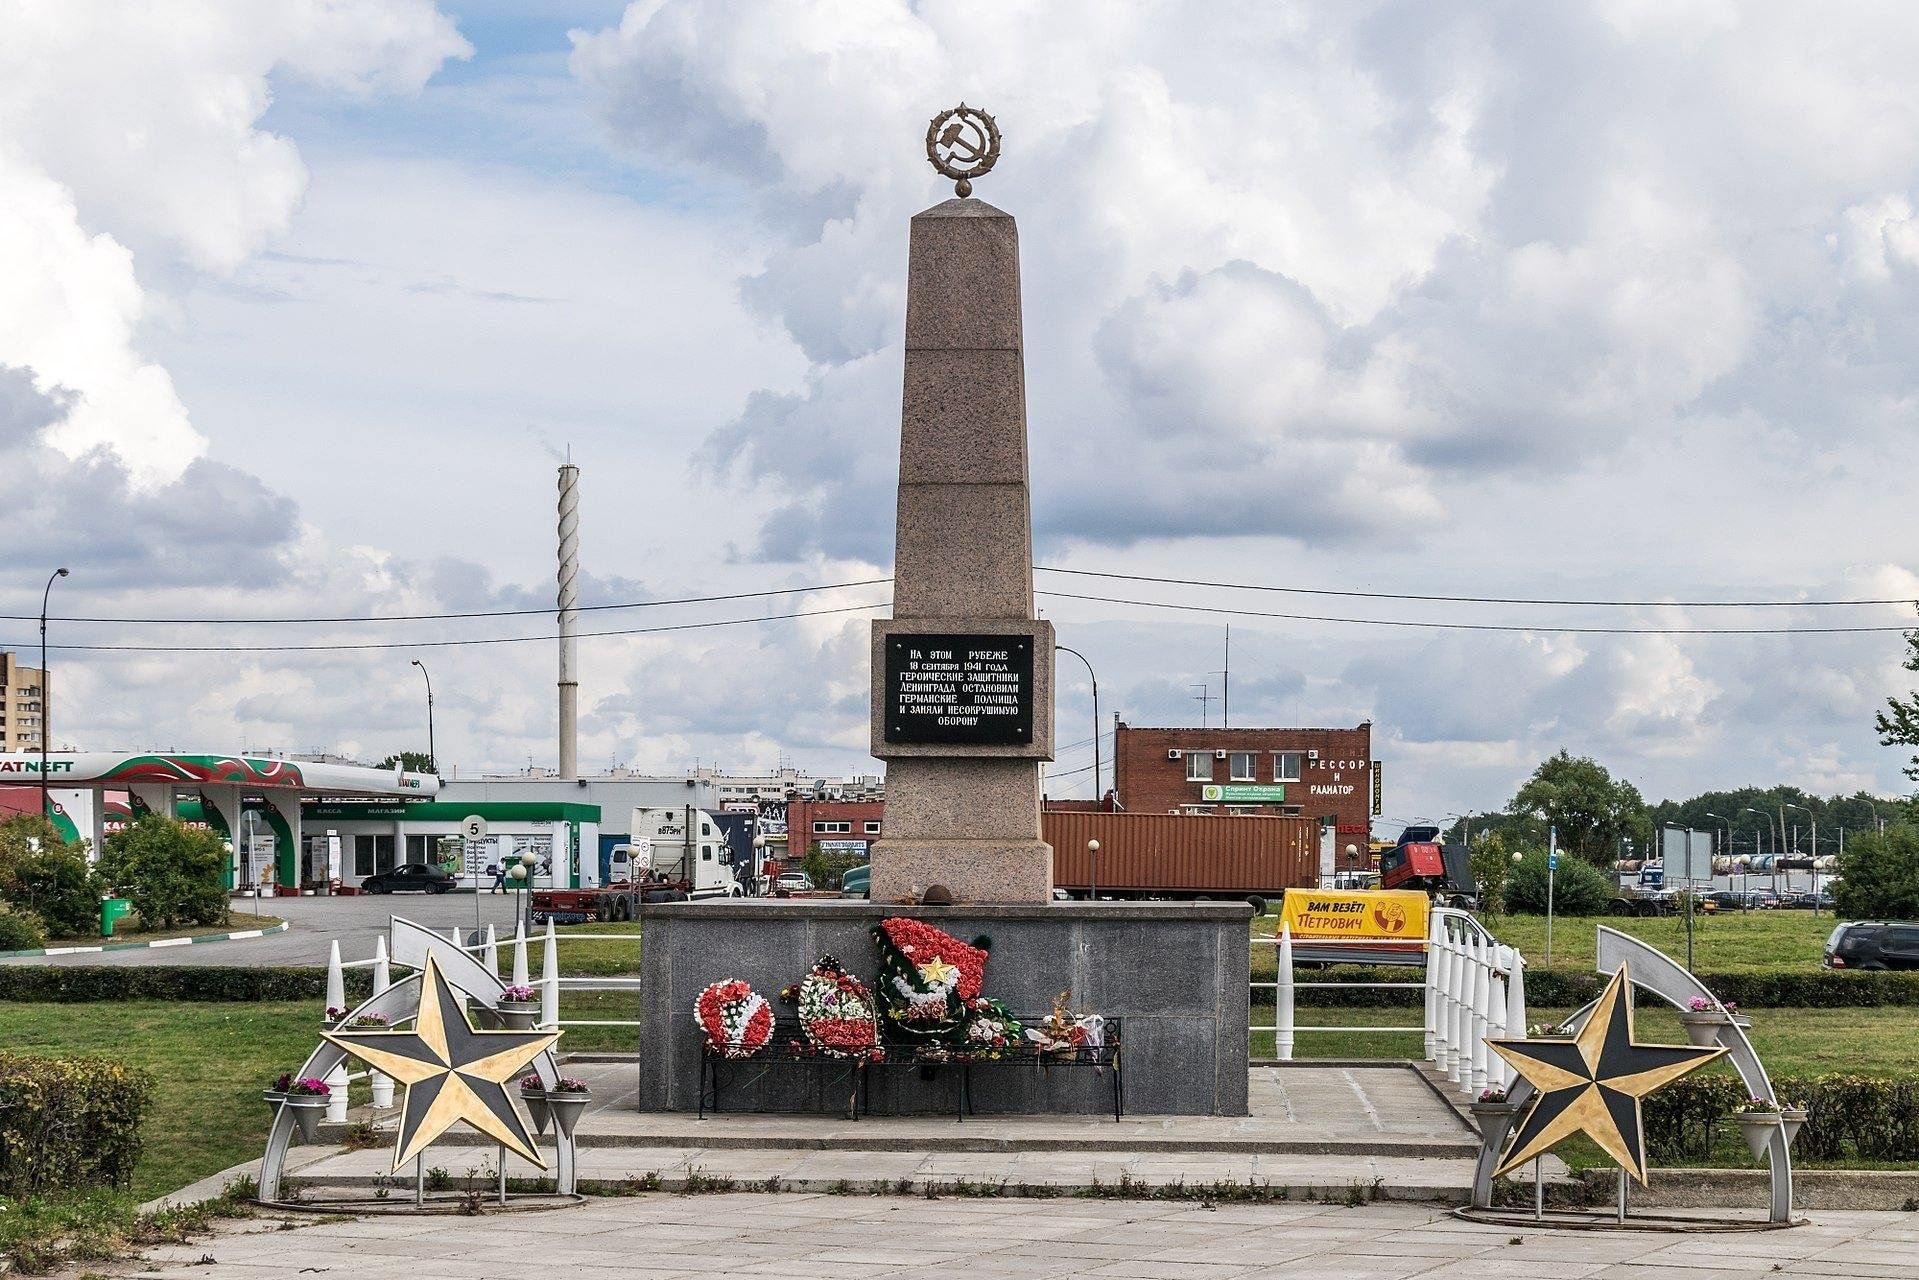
[458,942]
[1443,1004]
[1284,1036]
[519,954]
[335,999]
[550,981]
[1436,963]
[1462,1072]
[1516,996]
[1482,1020]
[1434,928]
[1496,1067]
[492,955]
[381,1085]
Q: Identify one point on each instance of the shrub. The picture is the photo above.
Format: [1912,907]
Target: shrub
[1578,888]
[1880,876]
[68,1123]
[1847,1117]
[58,886]
[20,931]
[83,984]
[1571,988]
[174,874]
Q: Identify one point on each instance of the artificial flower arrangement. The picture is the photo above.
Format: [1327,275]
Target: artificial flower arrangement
[304,1087]
[1551,1031]
[531,1083]
[1492,1096]
[928,980]
[521,994]
[837,1014]
[568,1084]
[1700,1004]
[735,1019]
[1064,1032]
[334,1013]
[991,1029]
[1758,1106]
[370,1022]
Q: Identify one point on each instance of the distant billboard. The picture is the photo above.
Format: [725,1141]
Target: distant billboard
[1687,854]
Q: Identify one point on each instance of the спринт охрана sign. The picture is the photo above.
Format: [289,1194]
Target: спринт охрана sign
[972,689]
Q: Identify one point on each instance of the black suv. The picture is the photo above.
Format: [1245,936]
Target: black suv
[1873,944]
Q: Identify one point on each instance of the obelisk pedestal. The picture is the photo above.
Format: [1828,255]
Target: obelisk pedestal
[963,672]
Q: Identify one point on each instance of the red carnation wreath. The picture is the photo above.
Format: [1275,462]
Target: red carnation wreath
[836,1011]
[735,1019]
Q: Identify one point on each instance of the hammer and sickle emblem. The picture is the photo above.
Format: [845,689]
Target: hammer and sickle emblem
[962,143]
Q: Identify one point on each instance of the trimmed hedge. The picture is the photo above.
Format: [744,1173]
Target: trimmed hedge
[68,1123]
[1847,1117]
[81,984]
[1571,988]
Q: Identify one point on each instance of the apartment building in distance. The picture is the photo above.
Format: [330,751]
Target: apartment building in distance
[23,703]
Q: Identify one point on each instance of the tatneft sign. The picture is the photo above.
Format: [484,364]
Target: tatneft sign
[1269,792]
[33,766]
[1396,915]
[974,689]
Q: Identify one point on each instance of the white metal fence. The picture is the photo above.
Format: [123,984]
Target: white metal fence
[487,949]
[1473,986]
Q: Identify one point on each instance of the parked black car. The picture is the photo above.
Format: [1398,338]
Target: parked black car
[1742,900]
[1873,944]
[1803,900]
[414,877]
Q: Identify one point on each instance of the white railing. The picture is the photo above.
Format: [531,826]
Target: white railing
[1473,985]
[487,949]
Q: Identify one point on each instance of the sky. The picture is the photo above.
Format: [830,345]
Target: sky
[302,302]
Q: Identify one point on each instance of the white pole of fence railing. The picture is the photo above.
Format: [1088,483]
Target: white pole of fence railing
[519,954]
[1462,1069]
[1442,963]
[492,960]
[1516,996]
[1434,928]
[1283,1034]
[381,1085]
[1495,1065]
[550,980]
[1482,1018]
[336,999]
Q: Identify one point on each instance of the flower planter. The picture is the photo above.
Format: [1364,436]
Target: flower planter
[307,1112]
[272,1097]
[1792,1118]
[566,1109]
[1703,1028]
[518,1015]
[1495,1121]
[536,1108]
[1758,1128]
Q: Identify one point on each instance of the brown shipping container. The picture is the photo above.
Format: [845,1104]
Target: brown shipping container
[1182,853]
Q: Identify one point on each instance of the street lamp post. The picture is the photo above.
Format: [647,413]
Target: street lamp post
[46,696]
[759,864]
[1769,827]
[1098,795]
[1814,819]
[432,755]
[1092,873]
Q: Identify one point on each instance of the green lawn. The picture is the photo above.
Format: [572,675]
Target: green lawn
[1735,942]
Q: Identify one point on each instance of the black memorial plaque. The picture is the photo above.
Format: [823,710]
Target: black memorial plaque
[969,689]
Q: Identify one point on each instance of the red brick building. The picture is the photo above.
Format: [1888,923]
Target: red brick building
[1316,773]
[811,822]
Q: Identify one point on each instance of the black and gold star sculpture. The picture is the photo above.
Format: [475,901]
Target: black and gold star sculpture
[451,1071]
[1593,1082]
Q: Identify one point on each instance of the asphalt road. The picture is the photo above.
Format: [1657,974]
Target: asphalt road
[312,923]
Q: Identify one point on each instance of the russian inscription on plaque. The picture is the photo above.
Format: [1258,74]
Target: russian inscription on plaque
[975,689]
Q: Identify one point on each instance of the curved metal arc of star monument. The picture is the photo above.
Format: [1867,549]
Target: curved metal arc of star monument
[1593,1083]
[451,1071]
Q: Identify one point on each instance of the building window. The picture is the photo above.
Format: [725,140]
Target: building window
[423,849]
[1241,810]
[1286,766]
[1241,767]
[872,828]
[1196,809]
[1199,766]
[832,828]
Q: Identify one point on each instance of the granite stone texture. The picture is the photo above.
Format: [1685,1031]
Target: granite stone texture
[969,870]
[1176,973]
[963,551]
[989,798]
[973,401]
[962,274]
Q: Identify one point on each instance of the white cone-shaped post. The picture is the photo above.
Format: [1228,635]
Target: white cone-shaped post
[335,999]
[519,954]
[1283,1034]
[455,935]
[1482,1019]
[381,1085]
[1434,927]
[550,981]
[1442,1001]
[1495,1065]
[492,954]
[1516,996]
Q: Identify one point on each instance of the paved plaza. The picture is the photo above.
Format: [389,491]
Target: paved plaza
[653,1237]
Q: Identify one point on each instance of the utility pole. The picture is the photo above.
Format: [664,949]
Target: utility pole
[1226,684]
[1203,697]
[46,698]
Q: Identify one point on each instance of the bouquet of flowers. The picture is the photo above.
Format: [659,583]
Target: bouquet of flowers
[1700,1004]
[991,1028]
[521,994]
[927,980]
[304,1087]
[371,1022]
[736,1019]
[836,1011]
[1064,1032]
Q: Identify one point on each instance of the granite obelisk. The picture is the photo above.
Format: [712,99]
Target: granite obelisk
[963,671]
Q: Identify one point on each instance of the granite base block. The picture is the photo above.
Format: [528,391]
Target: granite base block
[973,871]
[1175,972]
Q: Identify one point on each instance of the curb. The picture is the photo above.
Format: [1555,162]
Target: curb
[234,936]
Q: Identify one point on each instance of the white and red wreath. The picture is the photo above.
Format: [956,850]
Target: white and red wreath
[736,1019]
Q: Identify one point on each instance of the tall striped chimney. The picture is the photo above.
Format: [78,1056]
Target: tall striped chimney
[569,620]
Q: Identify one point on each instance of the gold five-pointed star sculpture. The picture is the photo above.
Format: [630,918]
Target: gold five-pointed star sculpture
[451,1071]
[1592,1083]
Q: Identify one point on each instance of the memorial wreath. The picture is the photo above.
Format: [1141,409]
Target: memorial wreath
[735,1019]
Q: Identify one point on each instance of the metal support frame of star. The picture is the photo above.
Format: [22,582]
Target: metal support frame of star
[452,1071]
[1593,1083]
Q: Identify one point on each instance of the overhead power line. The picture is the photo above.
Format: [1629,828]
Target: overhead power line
[1478,626]
[1452,599]
[447,644]
[448,617]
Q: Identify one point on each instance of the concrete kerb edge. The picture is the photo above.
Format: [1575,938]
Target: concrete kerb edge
[235,935]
